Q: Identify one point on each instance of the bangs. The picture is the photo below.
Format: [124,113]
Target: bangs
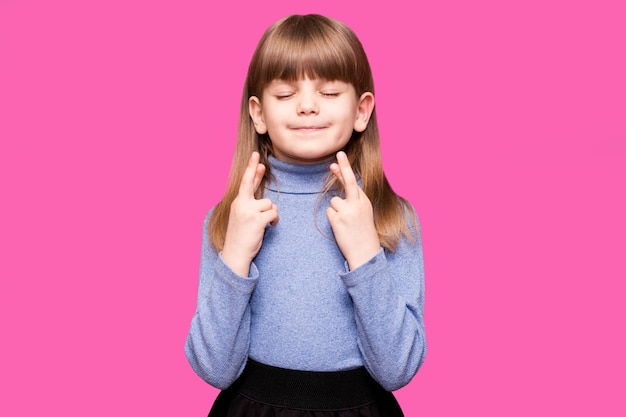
[308,46]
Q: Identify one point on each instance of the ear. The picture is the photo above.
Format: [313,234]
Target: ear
[364,111]
[256,114]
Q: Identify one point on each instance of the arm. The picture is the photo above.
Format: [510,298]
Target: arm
[388,296]
[387,289]
[218,339]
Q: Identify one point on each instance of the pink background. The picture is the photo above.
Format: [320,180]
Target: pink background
[504,122]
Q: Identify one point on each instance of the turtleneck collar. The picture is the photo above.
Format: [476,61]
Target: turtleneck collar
[295,178]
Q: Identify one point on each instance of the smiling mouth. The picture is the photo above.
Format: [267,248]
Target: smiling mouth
[308,128]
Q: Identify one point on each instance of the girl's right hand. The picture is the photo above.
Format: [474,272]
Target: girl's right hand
[247,220]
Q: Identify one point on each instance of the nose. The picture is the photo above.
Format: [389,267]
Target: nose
[307,104]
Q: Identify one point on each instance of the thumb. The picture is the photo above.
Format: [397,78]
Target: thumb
[331,213]
[274,221]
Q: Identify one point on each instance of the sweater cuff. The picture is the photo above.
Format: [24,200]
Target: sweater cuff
[245,284]
[365,271]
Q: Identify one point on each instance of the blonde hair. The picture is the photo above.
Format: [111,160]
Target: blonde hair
[316,47]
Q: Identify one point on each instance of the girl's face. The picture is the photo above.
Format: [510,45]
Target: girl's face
[308,121]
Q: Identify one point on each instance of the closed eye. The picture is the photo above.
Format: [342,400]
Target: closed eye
[330,94]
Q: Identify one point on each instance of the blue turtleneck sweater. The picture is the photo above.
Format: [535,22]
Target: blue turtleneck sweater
[301,307]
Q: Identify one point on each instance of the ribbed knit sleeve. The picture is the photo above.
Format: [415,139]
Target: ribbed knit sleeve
[219,337]
[388,296]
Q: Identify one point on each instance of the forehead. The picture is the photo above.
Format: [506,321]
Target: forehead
[307,81]
[294,61]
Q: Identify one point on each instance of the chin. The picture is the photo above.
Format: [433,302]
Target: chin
[312,158]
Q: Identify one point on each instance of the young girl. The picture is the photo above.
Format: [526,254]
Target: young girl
[311,293]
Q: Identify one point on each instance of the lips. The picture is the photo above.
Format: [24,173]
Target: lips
[308,128]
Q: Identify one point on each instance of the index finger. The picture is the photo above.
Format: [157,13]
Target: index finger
[350,183]
[250,179]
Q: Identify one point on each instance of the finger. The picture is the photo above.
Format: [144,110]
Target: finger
[264,204]
[270,216]
[334,168]
[350,185]
[258,176]
[336,203]
[247,185]
[275,221]
[330,213]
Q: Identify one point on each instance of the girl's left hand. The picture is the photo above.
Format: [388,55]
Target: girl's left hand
[352,218]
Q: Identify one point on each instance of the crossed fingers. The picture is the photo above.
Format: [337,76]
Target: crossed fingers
[252,177]
[250,181]
[351,218]
[344,174]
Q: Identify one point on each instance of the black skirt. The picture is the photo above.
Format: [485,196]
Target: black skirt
[267,391]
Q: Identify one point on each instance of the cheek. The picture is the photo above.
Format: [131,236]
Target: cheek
[273,113]
[352,115]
